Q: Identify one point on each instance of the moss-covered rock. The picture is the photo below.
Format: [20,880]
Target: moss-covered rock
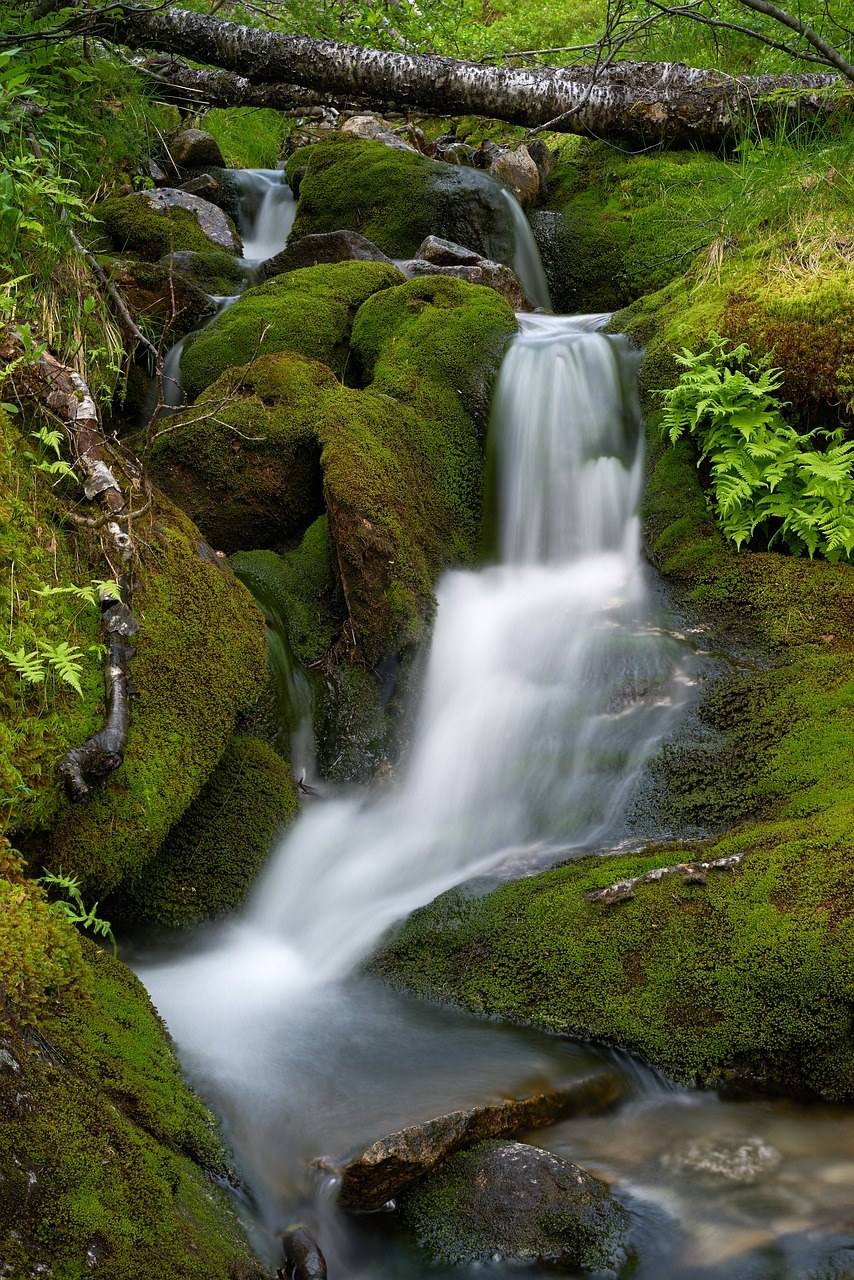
[249,473]
[200,660]
[396,198]
[298,588]
[403,460]
[216,272]
[512,1201]
[134,224]
[166,300]
[309,312]
[106,1157]
[211,857]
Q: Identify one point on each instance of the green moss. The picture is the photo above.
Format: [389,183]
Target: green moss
[200,659]
[309,312]
[217,272]
[210,859]
[133,225]
[396,198]
[299,588]
[403,460]
[105,1155]
[39,722]
[249,473]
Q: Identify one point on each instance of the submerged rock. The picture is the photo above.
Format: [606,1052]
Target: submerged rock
[507,1201]
[384,1169]
[734,1159]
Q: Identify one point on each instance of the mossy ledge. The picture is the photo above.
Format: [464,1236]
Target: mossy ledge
[747,980]
[107,1159]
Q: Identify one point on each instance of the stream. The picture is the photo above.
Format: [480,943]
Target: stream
[552,675]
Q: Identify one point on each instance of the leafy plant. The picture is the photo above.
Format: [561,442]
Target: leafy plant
[50,440]
[64,659]
[73,909]
[765,477]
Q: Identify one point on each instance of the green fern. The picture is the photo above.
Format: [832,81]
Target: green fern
[73,908]
[30,666]
[66,660]
[766,479]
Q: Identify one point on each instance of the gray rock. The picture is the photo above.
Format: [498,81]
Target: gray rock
[327,246]
[743,1160]
[504,1201]
[195,149]
[492,275]
[212,221]
[371,1178]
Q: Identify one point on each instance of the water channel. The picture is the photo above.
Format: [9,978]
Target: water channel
[552,675]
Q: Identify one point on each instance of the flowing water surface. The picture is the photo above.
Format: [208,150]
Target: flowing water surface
[551,676]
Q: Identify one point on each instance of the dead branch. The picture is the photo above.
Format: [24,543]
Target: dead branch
[690,873]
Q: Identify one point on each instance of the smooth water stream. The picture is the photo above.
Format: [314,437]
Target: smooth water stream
[551,676]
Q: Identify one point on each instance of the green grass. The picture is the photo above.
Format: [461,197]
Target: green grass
[249,137]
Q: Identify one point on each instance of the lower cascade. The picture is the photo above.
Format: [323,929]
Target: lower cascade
[550,678]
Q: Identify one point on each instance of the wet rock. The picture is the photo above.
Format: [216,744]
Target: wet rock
[195,149]
[303,1259]
[384,1169]
[507,1201]
[742,1160]
[447,254]
[151,224]
[215,271]
[370,126]
[162,297]
[158,177]
[492,275]
[203,185]
[519,173]
[328,246]
[456,153]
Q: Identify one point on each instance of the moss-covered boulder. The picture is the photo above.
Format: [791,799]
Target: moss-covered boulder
[215,271]
[200,660]
[244,461]
[299,589]
[310,312]
[107,1160]
[153,224]
[403,460]
[511,1201]
[396,198]
[211,857]
[166,300]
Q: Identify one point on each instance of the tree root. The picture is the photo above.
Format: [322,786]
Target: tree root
[690,873]
[65,393]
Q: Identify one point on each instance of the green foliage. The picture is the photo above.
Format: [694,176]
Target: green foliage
[764,478]
[72,908]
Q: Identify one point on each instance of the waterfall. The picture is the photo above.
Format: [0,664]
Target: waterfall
[266,211]
[548,680]
[526,256]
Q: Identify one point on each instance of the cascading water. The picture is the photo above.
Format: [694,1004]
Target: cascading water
[526,256]
[548,680]
[266,211]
